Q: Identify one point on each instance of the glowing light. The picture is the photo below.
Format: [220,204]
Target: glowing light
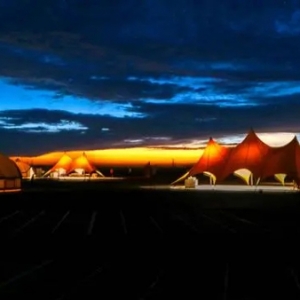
[137,156]
[183,154]
[10,191]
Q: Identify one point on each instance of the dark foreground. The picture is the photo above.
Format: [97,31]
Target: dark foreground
[127,243]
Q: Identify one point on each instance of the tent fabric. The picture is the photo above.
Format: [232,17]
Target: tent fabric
[249,154]
[280,178]
[10,176]
[212,159]
[252,160]
[83,163]
[64,162]
[184,176]
[8,168]
[23,167]
[210,163]
[212,177]
[245,175]
[283,160]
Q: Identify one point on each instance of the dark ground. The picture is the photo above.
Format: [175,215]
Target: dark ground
[115,241]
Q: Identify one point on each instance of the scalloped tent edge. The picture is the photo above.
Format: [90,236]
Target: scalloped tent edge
[253,155]
[249,154]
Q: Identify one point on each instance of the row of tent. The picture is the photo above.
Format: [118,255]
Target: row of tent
[13,171]
[66,165]
[252,160]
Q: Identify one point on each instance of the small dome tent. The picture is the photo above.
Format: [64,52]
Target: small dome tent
[10,175]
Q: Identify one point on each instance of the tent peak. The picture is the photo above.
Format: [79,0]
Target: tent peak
[252,134]
[211,141]
[252,131]
[294,140]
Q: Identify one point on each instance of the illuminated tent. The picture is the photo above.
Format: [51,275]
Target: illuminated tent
[10,176]
[25,169]
[250,154]
[210,163]
[62,167]
[81,165]
[280,177]
[245,175]
[283,161]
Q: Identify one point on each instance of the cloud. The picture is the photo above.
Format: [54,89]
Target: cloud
[158,73]
[180,81]
[163,124]
[275,89]
[17,97]
[289,26]
[40,127]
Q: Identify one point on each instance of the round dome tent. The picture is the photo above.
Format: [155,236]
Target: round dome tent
[10,175]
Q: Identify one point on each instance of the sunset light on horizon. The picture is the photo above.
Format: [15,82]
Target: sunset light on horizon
[172,155]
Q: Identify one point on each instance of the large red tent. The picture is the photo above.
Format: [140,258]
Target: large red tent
[250,154]
[283,160]
[211,161]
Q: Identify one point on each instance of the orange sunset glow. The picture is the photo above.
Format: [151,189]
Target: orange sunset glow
[123,157]
[184,155]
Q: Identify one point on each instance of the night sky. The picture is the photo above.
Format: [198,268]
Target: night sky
[92,74]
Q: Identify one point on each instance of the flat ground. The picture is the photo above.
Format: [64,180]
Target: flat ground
[91,241]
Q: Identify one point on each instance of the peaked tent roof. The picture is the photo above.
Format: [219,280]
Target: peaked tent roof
[63,163]
[82,162]
[249,154]
[212,160]
[283,160]
[23,167]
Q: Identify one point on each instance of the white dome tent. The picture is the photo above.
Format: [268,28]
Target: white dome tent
[10,175]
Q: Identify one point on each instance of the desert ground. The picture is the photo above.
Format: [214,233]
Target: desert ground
[141,239]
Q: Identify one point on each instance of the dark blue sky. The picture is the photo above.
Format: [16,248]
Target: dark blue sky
[113,73]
